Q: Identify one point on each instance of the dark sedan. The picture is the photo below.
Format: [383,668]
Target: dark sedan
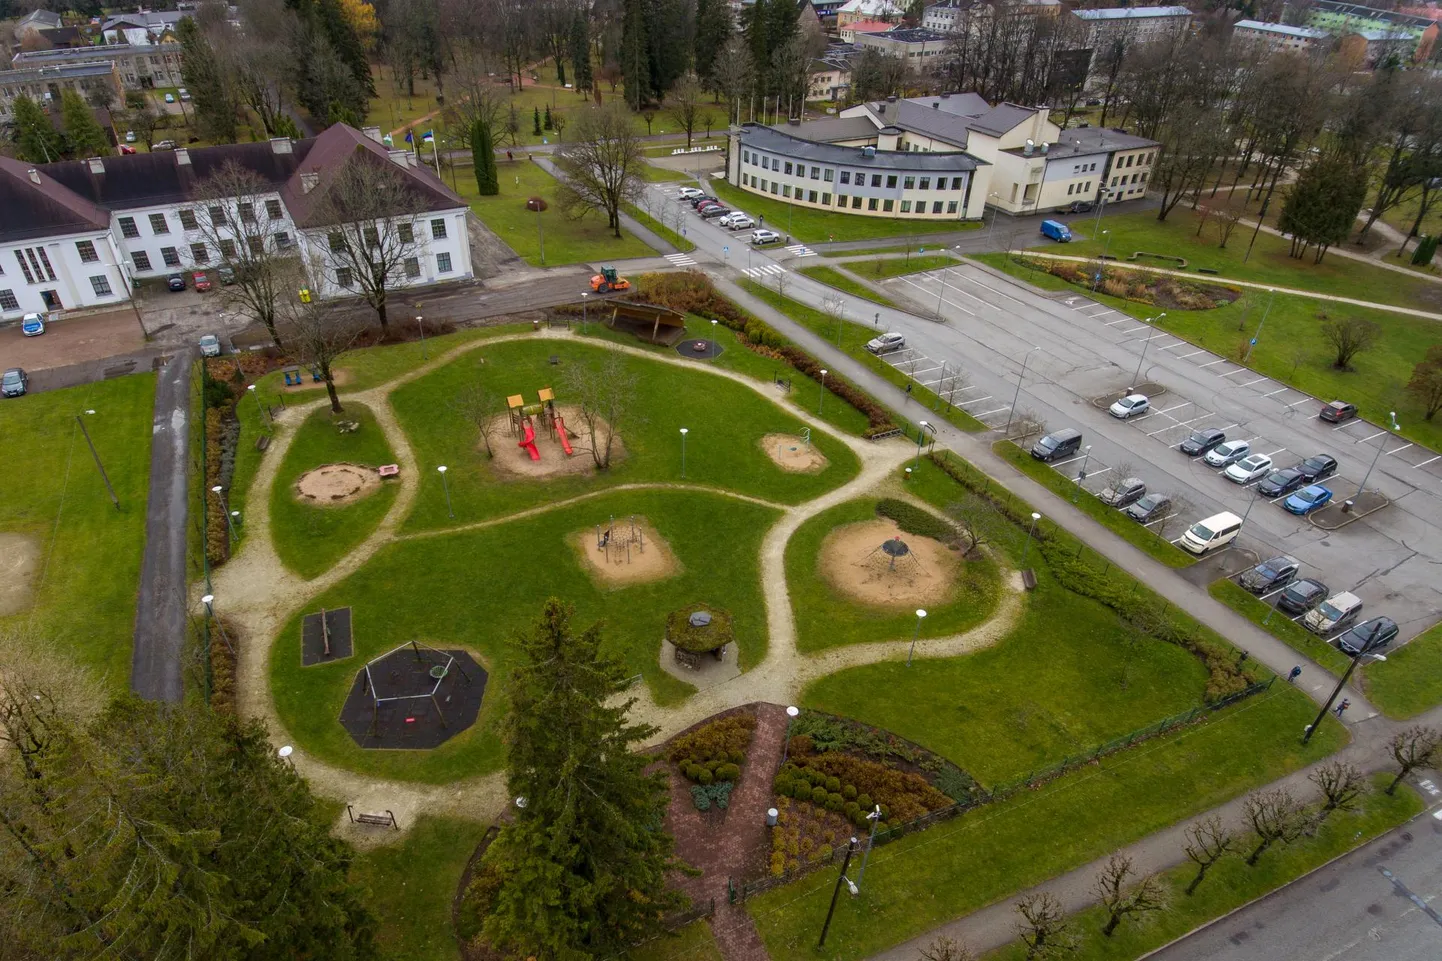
[1318,467]
[175,283]
[1152,507]
[1280,482]
[1370,635]
[1301,596]
[1201,441]
[1270,575]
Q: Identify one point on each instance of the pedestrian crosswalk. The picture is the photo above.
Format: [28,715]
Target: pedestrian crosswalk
[768,270]
[801,250]
[681,260]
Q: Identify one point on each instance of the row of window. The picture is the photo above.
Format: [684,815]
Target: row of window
[854,203]
[345,277]
[405,233]
[34,264]
[200,253]
[99,283]
[160,225]
[826,174]
[1123,179]
[1082,189]
[1140,161]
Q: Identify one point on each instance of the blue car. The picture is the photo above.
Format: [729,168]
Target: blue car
[33,325]
[1308,499]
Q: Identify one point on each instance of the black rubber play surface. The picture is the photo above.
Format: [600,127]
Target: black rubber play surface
[417,701]
[698,348]
[315,632]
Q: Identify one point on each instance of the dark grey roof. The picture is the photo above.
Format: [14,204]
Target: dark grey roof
[1078,142]
[967,104]
[928,121]
[43,209]
[1002,118]
[913,35]
[40,18]
[102,51]
[831,129]
[31,72]
[765,138]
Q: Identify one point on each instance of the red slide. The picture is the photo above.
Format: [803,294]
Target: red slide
[529,442]
[561,434]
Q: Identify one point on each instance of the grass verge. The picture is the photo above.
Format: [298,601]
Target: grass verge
[1410,681]
[1109,517]
[660,230]
[1295,636]
[901,266]
[692,943]
[835,278]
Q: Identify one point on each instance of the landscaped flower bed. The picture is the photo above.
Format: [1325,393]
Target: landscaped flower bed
[711,757]
[1160,290]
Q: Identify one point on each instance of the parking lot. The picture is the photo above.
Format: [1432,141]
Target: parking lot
[951,384]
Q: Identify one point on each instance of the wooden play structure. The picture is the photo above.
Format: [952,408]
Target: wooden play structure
[649,322]
[523,421]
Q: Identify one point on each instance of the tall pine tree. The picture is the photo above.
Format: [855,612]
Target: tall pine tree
[83,132]
[483,156]
[713,30]
[581,871]
[669,44]
[211,97]
[580,51]
[38,142]
[635,58]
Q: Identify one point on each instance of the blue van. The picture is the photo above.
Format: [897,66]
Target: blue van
[1056,230]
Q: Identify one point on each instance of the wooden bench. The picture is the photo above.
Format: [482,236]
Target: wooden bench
[380,820]
[262,442]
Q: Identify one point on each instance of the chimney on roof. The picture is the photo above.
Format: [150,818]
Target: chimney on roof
[34,175]
[308,180]
[1044,147]
[881,108]
[182,156]
[1026,151]
[400,157]
[97,166]
[372,132]
[280,145]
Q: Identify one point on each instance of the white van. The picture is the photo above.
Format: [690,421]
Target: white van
[1216,531]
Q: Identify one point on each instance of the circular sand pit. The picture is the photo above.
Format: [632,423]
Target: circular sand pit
[512,460]
[875,563]
[19,559]
[335,485]
[625,553]
[792,453]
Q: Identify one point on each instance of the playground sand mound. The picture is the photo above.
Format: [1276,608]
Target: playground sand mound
[851,563]
[649,558]
[791,453]
[340,375]
[512,461]
[335,485]
[19,559]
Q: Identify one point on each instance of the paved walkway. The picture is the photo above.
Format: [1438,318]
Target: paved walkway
[155,672]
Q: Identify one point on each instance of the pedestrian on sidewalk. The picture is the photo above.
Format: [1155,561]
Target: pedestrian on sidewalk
[1242,658]
[908,391]
[1342,707]
[1295,673]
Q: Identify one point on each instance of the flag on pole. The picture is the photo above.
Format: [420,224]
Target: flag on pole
[429,136]
[409,137]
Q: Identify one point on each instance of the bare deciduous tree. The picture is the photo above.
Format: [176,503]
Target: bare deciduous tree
[1340,783]
[1208,841]
[1274,816]
[1227,217]
[947,949]
[481,406]
[1349,336]
[602,165]
[1175,517]
[606,396]
[684,106]
[1042,927]
[1411,749]
[978,522]
[1119,900]
[1025,423]
[319,334]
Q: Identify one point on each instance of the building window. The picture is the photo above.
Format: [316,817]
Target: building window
[200,253]
[406,232]
[763,184]
[775,188]
[1149,156]
[925,183]
[282,240]
[171,256]
[951,206]
[8,301]
[217,215]
[101,285]
[815,173]
[746,156]
[343,276]
[256,245]
[141,259]
[337,241]
[876,180]
[44,262]
[86,249]
[846,176]
[1144,176]
[1088,187]
[443,263]
[826,200]
[438,229]
[906,206]
[1069,188]
[871,203]
[940,183]
[891,182]
[413,267]
[227,248]
[187,218]
[841,200]
[908,183]
[855,203]
[272,209]
[886,205]
[372,235]
[158,224]
[936,207]
[788,168]
[24,267]
[786,190]
[247,213]
[811,196]
[828,175]
[956,182]
[128,228]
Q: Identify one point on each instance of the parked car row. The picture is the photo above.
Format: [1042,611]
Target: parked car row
[1321,611]
[709,208]
[1297,486]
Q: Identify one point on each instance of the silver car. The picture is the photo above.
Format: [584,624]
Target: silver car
[886,343]
[210,346]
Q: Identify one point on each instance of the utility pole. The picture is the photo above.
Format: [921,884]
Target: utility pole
[1346,675]
[850,850]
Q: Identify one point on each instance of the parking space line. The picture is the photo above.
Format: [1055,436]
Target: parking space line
[1098,473]
[1119,321]
[983,286]
[1342,427]
[975,400]
[1277,391]
[1134,329]
[1427,461]
[1272,593]
[1192,354]
[1251,382]
[924,370]
[988,413]
[922,287]
[1159,520]
[1370,436]
[1070,460]
[1227,428]
[1219,360]
[1237,371]
[1299,403]
[1279,450]
[1403,447]
[1180,343]
[1153,337]
[965,389]
[1175,407]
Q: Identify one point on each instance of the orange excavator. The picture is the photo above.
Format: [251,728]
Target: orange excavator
[607,281]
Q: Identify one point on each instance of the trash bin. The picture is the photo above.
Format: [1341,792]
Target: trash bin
[771,815]
[1347,506]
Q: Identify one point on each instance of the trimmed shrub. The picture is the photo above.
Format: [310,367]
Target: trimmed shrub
[864,802]
[833,785]
[824,852]
[849,792]
[778,865]
[728,772]
[800,745]
[914,520]
[714,744]
[850,808]
[835,802]
[705,776]
[859,819]
[818,795]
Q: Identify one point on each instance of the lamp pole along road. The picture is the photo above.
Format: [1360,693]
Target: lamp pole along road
[1014,397]
[1366,651]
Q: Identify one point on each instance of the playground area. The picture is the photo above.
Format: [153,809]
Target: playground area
[413,697]
[625,551]
[19,558]
[792,453]
[335,485]
[875,563]
[539,440]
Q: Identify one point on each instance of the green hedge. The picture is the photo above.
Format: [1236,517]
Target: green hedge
[914,520]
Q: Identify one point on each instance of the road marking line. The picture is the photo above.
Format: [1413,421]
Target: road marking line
[1180,343]
[1277,391]
[1231,372]
[1403,447]
[1427,461]
[999,293]
[1175,407]
[1219,360]
[988,413]
[1341,427]
[975,400]
[1192,354]
[943,299]
[1370,436]
[1159,520]
[1133,330]
[1119,321]
[1251,382]
[1162,430]
[1071,460]
[1299,403]
[1279,450]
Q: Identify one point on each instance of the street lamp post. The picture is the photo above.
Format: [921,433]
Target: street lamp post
[1017,394]
[941,292]
[220,496]
[684,432]
[1253,343]
[995,209]
[791,713]
[1366,651]
[284,754]
[1030,530]
[1145,341]
[1378,456]
[263,421]
[1081,475]
[822,401]
[584,295]
[1101,261]
[920,616]
[846,863]
[420,325]
[447,488]
[920,439]
[714,348]
[874,816]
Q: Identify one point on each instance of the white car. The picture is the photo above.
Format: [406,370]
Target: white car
[687,193]
[1224,455]
[1248,469]
[1130,406]
[210,346]
[764,236]
[32,325]
[886,343]
[130,136]
[739,221]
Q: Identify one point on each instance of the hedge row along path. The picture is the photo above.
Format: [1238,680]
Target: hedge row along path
[259,595]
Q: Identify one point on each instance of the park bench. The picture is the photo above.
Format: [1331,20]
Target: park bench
[381,820]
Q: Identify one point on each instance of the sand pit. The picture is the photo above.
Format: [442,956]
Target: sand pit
[649,557]
[851,562]
[791,453]
[336,485]
[512,461]
[19,560]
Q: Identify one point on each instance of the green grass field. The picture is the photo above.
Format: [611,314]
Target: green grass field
[1231,884]
[825,617]
[726,423]
[660,230]
[566,240]
[310,537]
[665,175]
[85,570]
[901,266]
[812,225]
[835,278]
[1410,681]
[477,588]
[692,943]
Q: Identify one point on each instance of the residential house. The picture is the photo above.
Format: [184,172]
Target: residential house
[1383,32]
[1134,24]
[1280,36]
[855,28]
[45,83]
[141,29]
[854,10]
[954,16]
[830,79]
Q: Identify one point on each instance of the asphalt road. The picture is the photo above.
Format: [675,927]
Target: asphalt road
[155,666]
[1074,352]
[1348,911]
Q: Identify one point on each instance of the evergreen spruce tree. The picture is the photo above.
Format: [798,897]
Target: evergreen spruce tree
[546,124]
[536,121]
[483,155]
[635,54]
[713,30]
[668,48]
[580,52]
[83,133]
[211,98]
[582,869]
[38,142]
